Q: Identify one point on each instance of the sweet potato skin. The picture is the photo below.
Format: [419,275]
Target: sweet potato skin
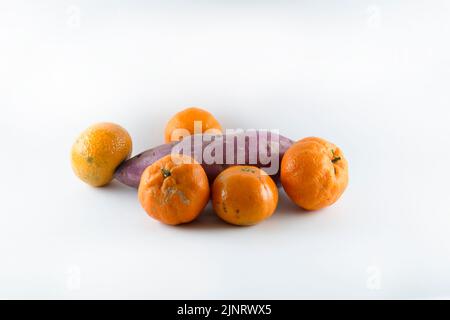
[130,171]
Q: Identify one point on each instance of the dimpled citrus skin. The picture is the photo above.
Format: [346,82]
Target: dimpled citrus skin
[174,189]
[244,195]
[98,151]
[185,120]
[314,173]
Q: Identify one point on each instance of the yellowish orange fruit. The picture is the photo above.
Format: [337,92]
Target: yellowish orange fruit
[98,151]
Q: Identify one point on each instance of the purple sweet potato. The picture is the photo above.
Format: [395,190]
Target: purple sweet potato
[263,149]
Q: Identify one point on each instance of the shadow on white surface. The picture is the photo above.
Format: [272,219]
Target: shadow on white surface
[208,220]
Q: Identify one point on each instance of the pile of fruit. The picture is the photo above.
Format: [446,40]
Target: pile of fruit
[174,188]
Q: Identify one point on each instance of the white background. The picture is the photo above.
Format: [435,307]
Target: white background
[371,76]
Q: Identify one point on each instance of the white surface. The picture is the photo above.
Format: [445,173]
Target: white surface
[373,77]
